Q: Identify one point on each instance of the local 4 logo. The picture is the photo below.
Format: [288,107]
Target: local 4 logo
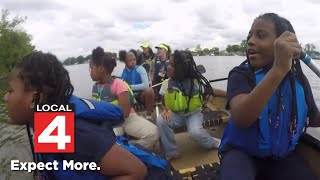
[54,129]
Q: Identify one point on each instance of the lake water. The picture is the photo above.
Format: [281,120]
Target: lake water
[13,140]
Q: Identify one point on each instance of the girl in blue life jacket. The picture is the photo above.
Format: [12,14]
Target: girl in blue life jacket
[137,77]
[114,90]
[271,104]
[40,78]
[184,94]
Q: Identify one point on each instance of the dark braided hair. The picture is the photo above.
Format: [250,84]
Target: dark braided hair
[186,68]
[281,25]
[123,54]
[45,73]
[104,59]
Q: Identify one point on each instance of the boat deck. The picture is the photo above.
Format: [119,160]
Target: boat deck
[192,154]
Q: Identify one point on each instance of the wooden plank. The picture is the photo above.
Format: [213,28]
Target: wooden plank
[192,154]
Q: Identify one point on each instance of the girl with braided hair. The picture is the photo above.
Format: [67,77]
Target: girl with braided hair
[40,78]
[271,104]
[184,94]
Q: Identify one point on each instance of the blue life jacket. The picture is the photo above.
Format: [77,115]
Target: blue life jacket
[276,132]
[101,111]
[131,76]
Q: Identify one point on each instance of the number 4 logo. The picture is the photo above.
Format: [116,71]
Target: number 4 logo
[61,139]
[53,132]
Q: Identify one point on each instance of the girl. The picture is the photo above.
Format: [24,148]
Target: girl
[184,94]
[160,66]
[146,59]
[41,79]
[137,77]
[270,100]
[114,90]
[147,54]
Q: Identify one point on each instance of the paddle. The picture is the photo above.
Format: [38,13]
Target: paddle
[201,69]
[310,63]
[308,138]
[215,80]
[304,57]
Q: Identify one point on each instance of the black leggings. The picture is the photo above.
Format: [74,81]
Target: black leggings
[240,166]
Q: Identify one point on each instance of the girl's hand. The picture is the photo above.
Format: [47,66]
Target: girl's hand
[286,47]
[166,114]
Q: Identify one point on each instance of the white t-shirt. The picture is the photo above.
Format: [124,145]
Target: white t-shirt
[164,87]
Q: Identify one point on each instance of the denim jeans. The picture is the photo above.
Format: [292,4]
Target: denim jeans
[193,121]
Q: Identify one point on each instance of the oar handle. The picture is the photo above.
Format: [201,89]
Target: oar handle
[310,63]
[156,85]
[303,56]
[215,80]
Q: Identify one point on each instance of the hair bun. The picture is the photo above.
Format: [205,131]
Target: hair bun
[114,62]
[122,55]
[97,53]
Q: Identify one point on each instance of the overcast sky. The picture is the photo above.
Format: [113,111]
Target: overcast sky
[74,27]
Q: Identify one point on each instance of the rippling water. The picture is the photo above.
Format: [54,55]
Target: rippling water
[14,143]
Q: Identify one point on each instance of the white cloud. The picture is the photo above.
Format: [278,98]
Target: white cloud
[75,27]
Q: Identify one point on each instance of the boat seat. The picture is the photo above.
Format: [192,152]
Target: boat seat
[208,171]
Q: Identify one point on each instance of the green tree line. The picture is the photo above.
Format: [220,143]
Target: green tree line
[240,49]
[231,49]
[14,42]
[311,50]
[81,59]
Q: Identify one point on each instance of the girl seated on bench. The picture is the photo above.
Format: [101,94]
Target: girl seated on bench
[114,90]
[184,95]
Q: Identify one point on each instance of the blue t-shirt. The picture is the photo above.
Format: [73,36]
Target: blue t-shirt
[92,141]
[241,80]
